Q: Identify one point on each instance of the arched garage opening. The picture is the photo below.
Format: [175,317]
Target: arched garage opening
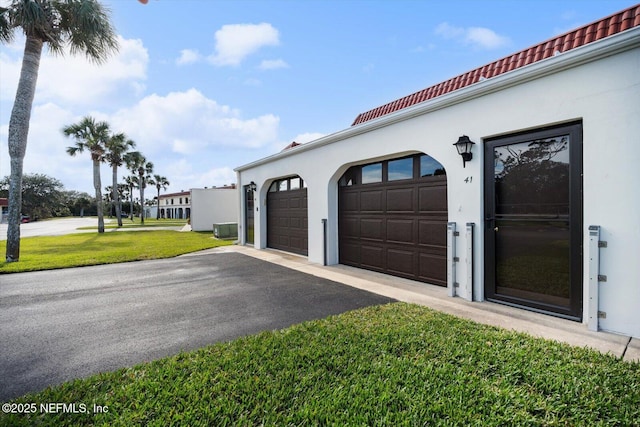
[287,215]
[392,218]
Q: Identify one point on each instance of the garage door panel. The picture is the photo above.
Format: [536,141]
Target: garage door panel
[432,200]
[349,202]
[371,201]
[433,269]
[431,232]
[350,228]
[372,229]
[294,203]
[400,200]
[283,204]
[296,241]
[400,230]
[350,253]
[372,257]
[401,262]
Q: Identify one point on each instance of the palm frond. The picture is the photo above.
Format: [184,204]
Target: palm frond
[84,26]
[87,29]
[6,29]
[37,19]
[72,151]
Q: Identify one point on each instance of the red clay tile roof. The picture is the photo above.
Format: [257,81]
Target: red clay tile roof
[605,27]
[293,144]
[181,193]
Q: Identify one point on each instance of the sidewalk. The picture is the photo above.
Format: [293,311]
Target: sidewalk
[435,297]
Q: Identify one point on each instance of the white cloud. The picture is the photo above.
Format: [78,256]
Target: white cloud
[188,122]
[182,177]
[182,133]
[448,31]
[75,81]
[480,37]
[486,38]
[216,177]
[273,64]
[235,42]
[46,148]
[188,56]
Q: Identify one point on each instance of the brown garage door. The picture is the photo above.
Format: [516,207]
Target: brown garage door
[287,216]
[393,218]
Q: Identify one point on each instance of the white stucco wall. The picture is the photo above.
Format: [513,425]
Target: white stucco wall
[602,91]
[212,206]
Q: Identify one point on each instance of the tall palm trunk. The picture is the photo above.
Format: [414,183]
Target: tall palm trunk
[141,202]
[98,186]
[158,209]
[131,201]
[115,195]
[18,133]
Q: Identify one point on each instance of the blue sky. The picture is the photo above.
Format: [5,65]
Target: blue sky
[204,86]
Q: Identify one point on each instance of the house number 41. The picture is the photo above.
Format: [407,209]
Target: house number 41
[468,179]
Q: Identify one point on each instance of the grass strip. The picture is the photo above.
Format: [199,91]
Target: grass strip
[75,250]
[392,365]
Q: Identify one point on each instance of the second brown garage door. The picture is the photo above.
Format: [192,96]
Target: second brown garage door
[393,218]
[287,216]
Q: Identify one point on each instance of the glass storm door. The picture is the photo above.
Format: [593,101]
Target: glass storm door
[533,203]
[249,215]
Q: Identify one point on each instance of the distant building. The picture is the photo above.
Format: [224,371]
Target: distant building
[202,206]
[4,209]
[213,206]
[175,205]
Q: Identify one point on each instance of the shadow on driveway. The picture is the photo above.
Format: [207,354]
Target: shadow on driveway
[66,324]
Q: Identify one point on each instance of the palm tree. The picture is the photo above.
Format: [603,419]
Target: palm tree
[139,165]
[93,137]
[117,146]
[122,194]
[160,182]
[130,182]
[84,26]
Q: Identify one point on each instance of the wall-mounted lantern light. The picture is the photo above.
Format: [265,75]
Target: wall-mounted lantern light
[252,186]
[463,146]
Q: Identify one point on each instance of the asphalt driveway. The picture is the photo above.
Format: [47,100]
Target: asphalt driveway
[65,324]
[53,227]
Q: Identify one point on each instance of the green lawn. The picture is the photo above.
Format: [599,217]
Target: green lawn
[75,250]
[391,365]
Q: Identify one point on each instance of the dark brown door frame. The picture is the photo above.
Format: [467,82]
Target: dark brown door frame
[249,215]
[575,309]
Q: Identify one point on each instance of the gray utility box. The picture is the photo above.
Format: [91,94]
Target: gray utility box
[226,230]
